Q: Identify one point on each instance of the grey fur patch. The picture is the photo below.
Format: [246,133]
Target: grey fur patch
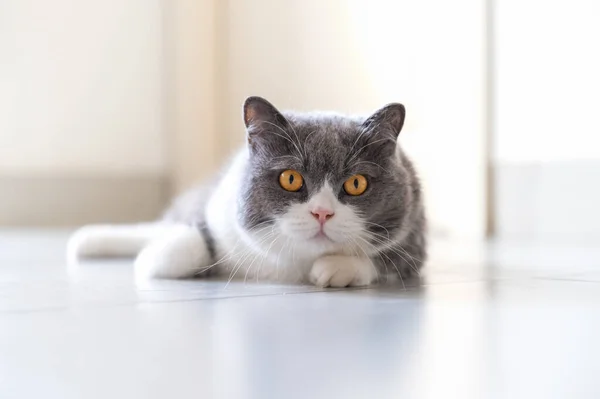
[209,240]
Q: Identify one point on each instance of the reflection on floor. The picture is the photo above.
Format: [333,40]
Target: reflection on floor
[489,321]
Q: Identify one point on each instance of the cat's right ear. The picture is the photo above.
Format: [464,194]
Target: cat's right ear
[260,115]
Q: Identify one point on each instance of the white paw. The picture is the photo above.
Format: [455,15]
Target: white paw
[180,253]
[342,271]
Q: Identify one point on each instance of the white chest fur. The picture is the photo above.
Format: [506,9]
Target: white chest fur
[265,255]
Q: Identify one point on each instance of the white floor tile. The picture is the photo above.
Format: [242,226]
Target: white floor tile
[489,322]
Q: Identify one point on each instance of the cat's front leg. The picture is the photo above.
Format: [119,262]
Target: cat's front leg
[180,252]
[342,271]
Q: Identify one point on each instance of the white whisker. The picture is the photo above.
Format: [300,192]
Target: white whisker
[391,261]
[287,137]
[368,144]
[408,261]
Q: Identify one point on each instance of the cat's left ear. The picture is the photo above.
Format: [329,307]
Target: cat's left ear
[257,110]
[388,119]
[261,117]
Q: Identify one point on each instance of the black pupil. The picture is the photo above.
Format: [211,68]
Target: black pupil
[355,183]
[291,179]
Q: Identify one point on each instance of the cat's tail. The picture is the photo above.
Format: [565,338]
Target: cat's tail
[162,250]
[98,241]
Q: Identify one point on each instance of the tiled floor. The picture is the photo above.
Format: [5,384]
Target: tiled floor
[494,321]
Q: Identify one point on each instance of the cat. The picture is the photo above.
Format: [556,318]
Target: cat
[317,198]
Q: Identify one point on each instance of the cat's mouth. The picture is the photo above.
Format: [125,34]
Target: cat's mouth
[321,236]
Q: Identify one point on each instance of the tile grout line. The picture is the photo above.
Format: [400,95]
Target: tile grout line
[123,304]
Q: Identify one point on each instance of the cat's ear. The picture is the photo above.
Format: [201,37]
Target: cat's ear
[259,112]
[388,120]
[262,118]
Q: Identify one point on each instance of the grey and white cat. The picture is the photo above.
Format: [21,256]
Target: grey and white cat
[314,197]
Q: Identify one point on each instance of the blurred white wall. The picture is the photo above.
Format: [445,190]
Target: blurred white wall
[548,65]
[192,44]
[81,87]
[355,56]
[547,141]
[82,119]
[154,88]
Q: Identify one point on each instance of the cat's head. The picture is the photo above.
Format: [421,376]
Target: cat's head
[324,182]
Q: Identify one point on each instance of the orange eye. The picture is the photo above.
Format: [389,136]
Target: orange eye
[355,185]
[291,180]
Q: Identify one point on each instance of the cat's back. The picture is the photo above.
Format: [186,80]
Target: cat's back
[190,206]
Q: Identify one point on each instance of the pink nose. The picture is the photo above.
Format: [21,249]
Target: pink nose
[322,215]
